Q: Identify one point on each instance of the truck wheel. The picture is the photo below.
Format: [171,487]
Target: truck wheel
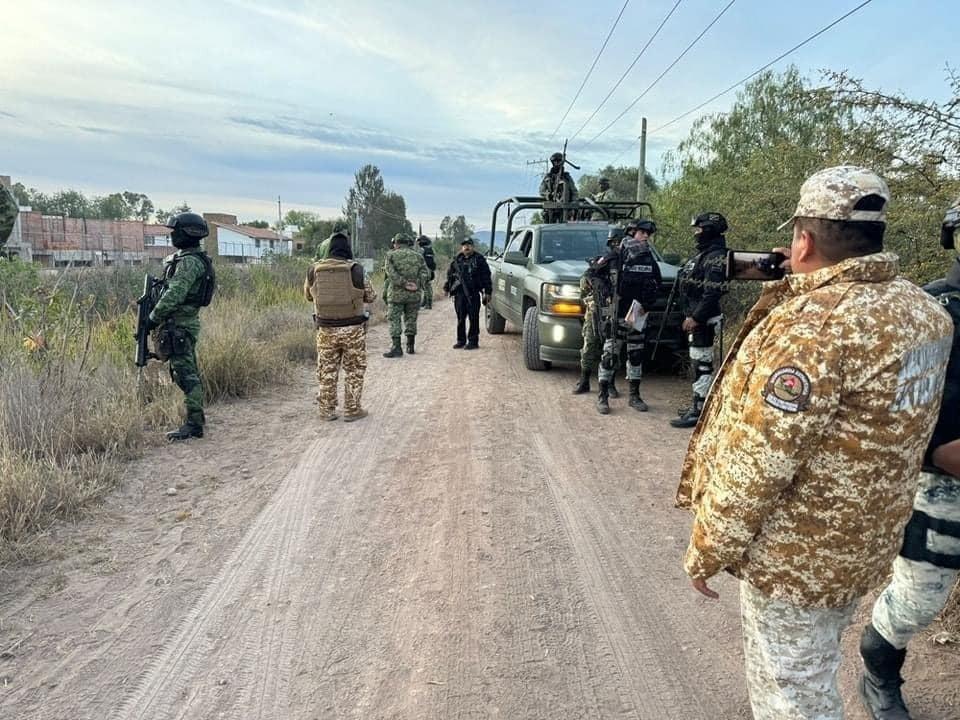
[496,323]
[530,340]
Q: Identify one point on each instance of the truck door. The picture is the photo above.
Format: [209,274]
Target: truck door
[515,275]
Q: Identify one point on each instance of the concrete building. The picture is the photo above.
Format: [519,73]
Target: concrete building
[243,244]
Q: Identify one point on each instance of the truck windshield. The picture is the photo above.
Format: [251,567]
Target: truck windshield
[572,243]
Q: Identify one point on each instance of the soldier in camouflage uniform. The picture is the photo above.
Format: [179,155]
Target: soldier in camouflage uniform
[338,289]
[926,570]
[604,194]
[188,280]
[430,260]
[557,186]
[702,284]
[8,214]
[592,341]
[802,470]
[406,276]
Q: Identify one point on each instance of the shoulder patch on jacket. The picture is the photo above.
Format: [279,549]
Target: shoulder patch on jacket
[788,389]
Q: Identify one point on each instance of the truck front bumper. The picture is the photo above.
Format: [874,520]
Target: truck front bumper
[560,338]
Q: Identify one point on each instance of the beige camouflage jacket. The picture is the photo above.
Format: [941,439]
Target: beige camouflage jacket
[803,469]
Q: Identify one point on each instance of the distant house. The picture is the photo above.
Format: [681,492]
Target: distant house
[241,243]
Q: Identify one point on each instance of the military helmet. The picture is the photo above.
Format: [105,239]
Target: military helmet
[630,226]
[423,241]
[951,221]
[402,239]
[603,181]
[648,226]
[556,157]
[614,235]
[189,224]
[710,221]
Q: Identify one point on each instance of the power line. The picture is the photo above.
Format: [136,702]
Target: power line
[590,71]
[661,75]
[775,60]
[627,71]
[753,74]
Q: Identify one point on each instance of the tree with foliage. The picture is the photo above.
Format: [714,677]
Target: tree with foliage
[623,182]
[73,203]
[164,215]
[456,230]
[382,213]
[262,224]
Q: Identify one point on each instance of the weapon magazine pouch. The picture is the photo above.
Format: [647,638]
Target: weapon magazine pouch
[636,316]
[171,341]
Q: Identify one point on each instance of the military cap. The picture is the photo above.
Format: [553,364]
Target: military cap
[846,192]
[648,226]
[468,241]
[402,239]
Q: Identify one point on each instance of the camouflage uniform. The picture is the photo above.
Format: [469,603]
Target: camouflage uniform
[927,567]
[607,195]
[339,346]
[8,214]
[592,342]
[802,470]
[179,307]
[549,191]
[404,265]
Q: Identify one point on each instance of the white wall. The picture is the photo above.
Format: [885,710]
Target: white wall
[233,244]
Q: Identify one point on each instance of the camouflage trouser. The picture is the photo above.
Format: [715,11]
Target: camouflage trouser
[336,347]
[185,373]
[403,318]
[792,656]
[427,302]
[592,343]
[635,340]
[920,589]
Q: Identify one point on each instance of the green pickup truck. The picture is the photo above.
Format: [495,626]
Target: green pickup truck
[536,286]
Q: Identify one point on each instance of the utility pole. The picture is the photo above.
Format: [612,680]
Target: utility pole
[642,169]
[279,219]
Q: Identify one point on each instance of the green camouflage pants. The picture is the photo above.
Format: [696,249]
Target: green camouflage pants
[403,318]
[919,589]
[792,656]
[338,347]
[592,343]
[186,374]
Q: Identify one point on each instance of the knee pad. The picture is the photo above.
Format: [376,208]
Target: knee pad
[635,357]
[703,368]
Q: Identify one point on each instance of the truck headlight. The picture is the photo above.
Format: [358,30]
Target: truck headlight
[561,299]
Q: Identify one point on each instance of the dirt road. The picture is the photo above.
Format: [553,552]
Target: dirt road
[484,545]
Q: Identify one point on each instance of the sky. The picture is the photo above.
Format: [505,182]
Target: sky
[230,104]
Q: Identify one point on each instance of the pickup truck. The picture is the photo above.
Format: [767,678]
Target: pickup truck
[536,287]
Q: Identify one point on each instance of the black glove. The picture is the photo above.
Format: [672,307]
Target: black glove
[485,299]
[152,324]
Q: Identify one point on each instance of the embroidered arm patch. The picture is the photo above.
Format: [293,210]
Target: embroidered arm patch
[788,389]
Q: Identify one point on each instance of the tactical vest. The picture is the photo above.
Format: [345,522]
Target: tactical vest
[334,295]
[639,276]
[200,295]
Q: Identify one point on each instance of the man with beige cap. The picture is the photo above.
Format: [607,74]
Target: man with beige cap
[802,470]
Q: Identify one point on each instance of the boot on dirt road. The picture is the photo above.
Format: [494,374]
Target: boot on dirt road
[636,402]
[185,432]
[410,344]
[880,683]
[603,404]
[360,414]
[584,385]
[690,417]
[612,391]
[396,350]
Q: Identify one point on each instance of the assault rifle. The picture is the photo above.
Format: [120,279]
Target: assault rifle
[152,288]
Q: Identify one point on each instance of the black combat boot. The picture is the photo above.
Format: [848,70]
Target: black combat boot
[185,432]
[584,385]
[410,343]
[636,402]
[880,683]
[396,350]
[612,390]
[603,406]
[690,417]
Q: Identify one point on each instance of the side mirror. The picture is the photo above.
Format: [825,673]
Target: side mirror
[515,257]
[8,213]
[672,259]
